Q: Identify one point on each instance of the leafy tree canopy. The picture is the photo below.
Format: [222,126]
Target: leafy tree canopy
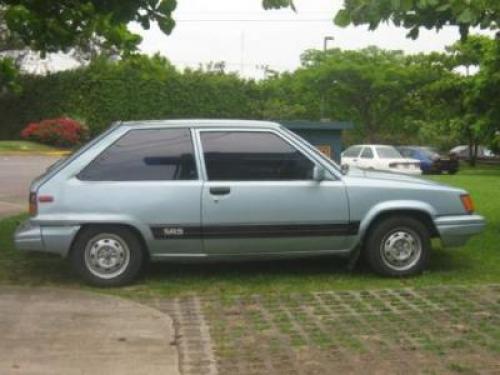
[413,14]
[50,25]
[60,25]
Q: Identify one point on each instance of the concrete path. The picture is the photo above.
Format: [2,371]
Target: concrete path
[16,174]
[57,331]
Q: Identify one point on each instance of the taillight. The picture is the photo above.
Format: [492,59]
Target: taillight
[34,200]
[33,204]
[45,198]
[467,203]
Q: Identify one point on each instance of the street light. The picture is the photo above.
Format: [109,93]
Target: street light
[325,41]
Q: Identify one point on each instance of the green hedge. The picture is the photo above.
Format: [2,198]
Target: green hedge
[137,88]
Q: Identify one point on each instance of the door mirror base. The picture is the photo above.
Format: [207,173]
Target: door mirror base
[319,174]
[344,168]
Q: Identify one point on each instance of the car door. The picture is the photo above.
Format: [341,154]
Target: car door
[366,158]
[147,178]
[259,197]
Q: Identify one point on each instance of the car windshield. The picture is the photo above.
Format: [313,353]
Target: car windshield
[313,149]
[387,152]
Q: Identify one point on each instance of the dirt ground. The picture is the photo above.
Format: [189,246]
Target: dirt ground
[436,330]
[16,174]
[439,330]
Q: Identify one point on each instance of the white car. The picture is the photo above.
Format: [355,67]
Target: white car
[462,152]
[381,158]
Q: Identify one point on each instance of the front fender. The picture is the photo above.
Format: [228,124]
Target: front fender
[393,206]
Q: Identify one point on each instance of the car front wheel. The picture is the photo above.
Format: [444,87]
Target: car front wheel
[107,256]
[398,246]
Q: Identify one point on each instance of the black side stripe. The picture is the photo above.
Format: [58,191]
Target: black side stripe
[253,231]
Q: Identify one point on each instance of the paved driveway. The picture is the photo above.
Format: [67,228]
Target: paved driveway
[16,173]
[57,331]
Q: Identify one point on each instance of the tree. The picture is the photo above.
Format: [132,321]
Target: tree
[8,75]
[51,26]
[86,27]
[414,14]
[463,108]
[372,87]
[54,25]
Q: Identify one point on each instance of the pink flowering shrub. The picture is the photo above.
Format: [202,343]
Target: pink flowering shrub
[61,132]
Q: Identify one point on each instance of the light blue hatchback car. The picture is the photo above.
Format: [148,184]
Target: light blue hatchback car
[230,189]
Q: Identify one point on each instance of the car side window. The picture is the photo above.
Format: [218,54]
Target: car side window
[145,155]
[352,152]
[406,153]
[252,156]
[367,153]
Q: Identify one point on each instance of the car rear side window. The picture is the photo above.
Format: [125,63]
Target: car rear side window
[252,156]
[367,153]
[145,155]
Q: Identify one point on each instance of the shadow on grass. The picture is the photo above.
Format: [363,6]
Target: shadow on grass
[307,273]
[297,275]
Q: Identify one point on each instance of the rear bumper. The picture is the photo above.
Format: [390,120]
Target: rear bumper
[30,236]
[456,230]
[444,166]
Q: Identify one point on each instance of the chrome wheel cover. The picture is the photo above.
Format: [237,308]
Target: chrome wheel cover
[401,249]
[107,256]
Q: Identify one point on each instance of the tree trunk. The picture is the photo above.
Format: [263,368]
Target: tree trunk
[474,155]
[471,160]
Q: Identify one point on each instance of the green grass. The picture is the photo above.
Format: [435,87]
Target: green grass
[477,262]
[16,147]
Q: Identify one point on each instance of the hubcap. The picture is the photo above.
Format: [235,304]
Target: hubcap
[107,256]
[401,249]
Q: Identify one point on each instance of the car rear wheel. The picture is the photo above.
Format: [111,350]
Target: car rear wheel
[398,246]
[107,255]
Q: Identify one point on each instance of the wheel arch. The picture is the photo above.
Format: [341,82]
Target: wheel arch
[418,210]
[132,228]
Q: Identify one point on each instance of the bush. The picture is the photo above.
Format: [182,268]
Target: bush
[135,88]
[62,132]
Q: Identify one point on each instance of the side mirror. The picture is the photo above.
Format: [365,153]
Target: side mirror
[319,174]
[344,168]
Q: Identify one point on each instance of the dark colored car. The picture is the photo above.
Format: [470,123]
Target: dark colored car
[431,161]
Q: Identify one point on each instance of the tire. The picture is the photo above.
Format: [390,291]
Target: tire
[107,256]
[398,246]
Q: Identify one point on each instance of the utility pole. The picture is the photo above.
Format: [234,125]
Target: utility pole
[322,96]
[242,57]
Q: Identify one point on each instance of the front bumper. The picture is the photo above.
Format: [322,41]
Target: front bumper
[456,230]
[31,236]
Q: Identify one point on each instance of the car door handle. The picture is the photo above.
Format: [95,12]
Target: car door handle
[220,190]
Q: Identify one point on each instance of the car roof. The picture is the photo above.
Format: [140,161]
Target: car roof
[412,147]
[371,145]
[201,123]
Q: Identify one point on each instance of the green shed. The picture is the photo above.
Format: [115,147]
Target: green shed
[325,135]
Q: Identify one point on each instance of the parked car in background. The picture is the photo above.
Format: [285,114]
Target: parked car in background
[381,158]
[431,161]
[462,152]
[231,189]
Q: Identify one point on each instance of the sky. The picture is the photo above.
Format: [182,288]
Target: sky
[247,37]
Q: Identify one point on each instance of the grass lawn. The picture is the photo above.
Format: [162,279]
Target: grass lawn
[477,262]
[25,147]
